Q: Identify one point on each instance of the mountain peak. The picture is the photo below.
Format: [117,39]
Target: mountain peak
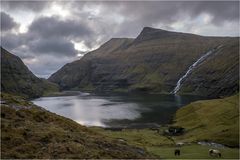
[149,33]
[150,29]
[147,30]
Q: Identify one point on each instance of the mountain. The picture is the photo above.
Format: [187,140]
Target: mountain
[154,62]
[17,79]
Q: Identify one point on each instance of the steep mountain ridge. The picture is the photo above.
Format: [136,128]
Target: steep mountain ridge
[17,79]
[149,33]
[152,62]
[115,44]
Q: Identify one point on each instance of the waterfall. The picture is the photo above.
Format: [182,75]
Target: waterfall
[194,65]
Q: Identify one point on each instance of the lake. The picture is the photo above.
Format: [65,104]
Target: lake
[116,110]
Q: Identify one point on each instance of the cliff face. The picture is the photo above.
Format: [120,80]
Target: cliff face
[218,75]
[17,79]
[154,62]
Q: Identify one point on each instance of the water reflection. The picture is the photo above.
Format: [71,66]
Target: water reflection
[115,110]
[178,100]
[89,111]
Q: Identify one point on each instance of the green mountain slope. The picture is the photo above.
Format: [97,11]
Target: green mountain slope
[218,75]
[154,62]
[29,131]
[212,120]
[17,79]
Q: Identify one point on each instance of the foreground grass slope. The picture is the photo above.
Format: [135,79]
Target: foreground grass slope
[162,147]
[213,120]
[28,131]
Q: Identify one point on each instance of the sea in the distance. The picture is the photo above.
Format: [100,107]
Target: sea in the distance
[116,110]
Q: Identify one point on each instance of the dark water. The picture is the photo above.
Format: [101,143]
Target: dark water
[116,110]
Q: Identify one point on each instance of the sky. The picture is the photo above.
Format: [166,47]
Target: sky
[48,34]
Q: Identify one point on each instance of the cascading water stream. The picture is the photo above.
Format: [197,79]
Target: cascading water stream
[194,65]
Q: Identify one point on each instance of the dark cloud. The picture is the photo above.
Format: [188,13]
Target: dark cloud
[220,10]
[170,11]
[138,14]
[55,35]
[53,46]
[35,6]
[23,52]
[47,65]
[49,35]
[55,27]
[11,41]
[141,14]
[7,22]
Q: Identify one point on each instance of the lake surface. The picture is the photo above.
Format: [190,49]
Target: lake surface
[116,110]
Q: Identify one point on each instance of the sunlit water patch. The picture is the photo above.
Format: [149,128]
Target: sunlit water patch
[115,110]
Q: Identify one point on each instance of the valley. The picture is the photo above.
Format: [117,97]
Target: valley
[30,131]
[120,100]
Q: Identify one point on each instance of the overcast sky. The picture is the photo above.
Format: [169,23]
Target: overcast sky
[49,34]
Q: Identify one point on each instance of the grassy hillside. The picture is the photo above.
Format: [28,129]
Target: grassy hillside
[218,71]
[17,79]
[212,120]
[28,131]
[154,62]
[209,120]
[162,147]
